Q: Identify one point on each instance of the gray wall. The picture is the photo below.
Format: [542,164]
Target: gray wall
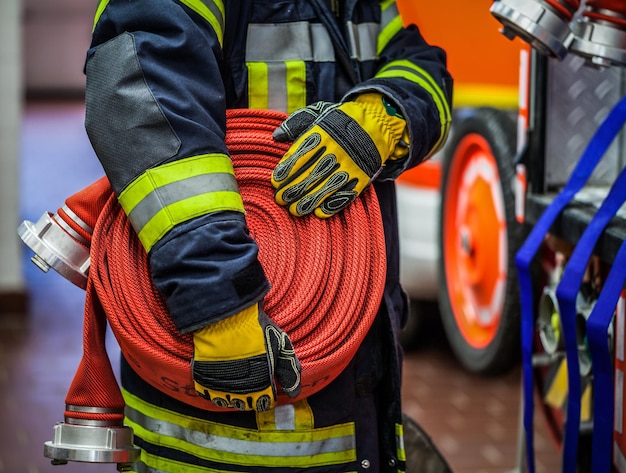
[56,36]
[11,280]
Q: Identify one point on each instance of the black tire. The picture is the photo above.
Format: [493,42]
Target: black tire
[478,134]
[422,455]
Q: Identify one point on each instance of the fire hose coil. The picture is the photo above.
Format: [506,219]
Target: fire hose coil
[327,275]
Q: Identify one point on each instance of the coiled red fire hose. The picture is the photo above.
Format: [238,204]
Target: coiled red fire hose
[327,281]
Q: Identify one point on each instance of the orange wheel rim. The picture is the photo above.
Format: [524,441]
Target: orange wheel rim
[475,241]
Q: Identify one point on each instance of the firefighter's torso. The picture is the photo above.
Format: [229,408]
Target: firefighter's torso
[268,55]
[298,52]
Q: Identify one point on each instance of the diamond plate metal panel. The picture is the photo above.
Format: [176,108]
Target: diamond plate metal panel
[579,98]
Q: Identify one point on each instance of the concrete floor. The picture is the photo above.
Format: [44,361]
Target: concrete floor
[473,420]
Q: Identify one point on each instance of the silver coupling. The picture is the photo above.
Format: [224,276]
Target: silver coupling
[92,444]
[55,248]
[535,23]
[601,44]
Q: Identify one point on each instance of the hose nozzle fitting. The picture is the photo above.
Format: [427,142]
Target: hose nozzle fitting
[56,248]
[93,444]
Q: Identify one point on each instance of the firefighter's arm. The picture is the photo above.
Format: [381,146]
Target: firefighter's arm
[155,114]
[412,74]
[156,119]
[380,128]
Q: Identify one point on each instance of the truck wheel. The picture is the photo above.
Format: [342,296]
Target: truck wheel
[478,237]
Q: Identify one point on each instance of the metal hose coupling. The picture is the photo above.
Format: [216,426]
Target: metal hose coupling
[549,327]
[61,241]
[56,245]
[93,430]
[600,33]
[544,24]
[92,441]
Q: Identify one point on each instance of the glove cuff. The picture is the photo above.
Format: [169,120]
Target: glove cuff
[393,125]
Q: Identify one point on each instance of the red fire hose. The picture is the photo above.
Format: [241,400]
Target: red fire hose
[566,8]
[612,11]
[327,280]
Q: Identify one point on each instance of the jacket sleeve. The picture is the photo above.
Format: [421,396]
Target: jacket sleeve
[155,115]
[413,75]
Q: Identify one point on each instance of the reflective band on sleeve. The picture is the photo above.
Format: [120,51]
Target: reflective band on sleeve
[213,13]
[173,193]
[390,25]
[102,4]
[211,10]
[416,74]
[231,445]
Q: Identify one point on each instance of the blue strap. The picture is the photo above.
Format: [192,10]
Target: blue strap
[596,148]
[597,338]
[566,293]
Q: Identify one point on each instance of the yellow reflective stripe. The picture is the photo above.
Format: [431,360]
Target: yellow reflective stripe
[170,194]
[172,466]
[295,416]
[102,4]
[409,71]
[180,212]
[476,95]
[400,442]
[390,26]
[258,87]
[277,86]
[213,13]
[172,172]
[296,85]
[212,441]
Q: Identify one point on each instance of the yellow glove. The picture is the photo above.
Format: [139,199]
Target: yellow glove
[339,150]
[235,361]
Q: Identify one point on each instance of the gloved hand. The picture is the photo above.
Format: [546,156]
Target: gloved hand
[235,361]
[339,150]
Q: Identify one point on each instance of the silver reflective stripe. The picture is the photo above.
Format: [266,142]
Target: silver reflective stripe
[248,447]
[277,86]
[285,417]
[363,38]
[288,42]
[177,191]
[213,441]
[215,10]
[323,50]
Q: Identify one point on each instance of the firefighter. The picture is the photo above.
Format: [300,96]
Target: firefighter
[160,76]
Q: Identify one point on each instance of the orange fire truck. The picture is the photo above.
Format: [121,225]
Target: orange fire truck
[458,252]
[530,226]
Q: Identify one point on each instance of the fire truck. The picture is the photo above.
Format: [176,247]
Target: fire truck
[530,224]
[455,255]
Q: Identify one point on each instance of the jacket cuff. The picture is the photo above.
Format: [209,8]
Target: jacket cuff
[207,269]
